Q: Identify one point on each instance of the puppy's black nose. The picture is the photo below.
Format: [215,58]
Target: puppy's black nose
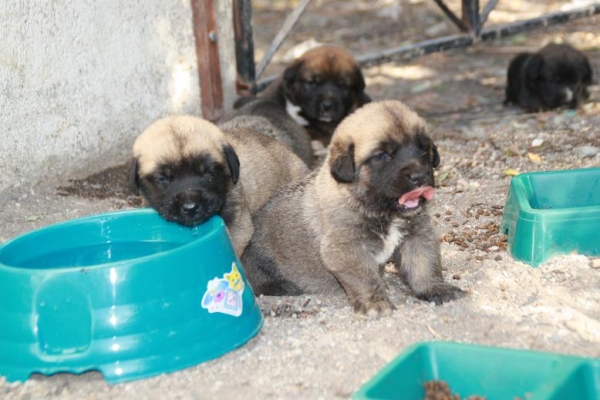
[190,205]
[187,204]
[417,177]
[326,105]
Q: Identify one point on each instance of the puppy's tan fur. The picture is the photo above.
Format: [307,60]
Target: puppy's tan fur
[264,164]
[265,117]
[335,229]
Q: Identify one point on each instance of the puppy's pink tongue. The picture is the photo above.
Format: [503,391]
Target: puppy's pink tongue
[411,199]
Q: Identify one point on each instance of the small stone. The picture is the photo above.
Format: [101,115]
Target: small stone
[586,151]
[595,263]
[537,142]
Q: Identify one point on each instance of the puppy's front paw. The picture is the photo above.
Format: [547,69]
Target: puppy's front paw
[374,308]
[441,292]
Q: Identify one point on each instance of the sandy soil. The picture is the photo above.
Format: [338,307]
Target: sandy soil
[314,347]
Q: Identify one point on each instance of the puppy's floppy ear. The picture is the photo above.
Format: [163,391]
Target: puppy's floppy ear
[425,142]
[435,156]
[361,97]
[533,67]
[341,163]
[233,162]
[291,73]
[359,79]
[133,175]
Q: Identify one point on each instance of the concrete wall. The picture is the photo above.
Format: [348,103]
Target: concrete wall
[80,79]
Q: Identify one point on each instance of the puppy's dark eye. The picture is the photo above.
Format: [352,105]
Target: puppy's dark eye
[310,84]
[162,178]
[382,156]
[343,85]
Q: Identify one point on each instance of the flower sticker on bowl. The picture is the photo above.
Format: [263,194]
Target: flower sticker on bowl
[224,295]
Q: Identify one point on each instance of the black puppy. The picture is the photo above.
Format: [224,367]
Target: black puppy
[557,75]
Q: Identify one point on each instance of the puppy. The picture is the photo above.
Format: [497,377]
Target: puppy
[267,117]
[319,89]
[336,228]
[189,170]
[557,75]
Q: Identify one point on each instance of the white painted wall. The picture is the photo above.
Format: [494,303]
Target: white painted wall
[80,79]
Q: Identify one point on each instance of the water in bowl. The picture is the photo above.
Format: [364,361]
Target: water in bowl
[97,254]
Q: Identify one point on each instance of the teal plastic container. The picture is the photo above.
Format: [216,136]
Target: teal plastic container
[125,293]
[492,372]
[550,213]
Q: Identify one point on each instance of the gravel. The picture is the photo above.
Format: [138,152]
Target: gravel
[315,347]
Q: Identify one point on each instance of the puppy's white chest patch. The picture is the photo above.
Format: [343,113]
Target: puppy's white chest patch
[568,94]
[390,241]
[294,112]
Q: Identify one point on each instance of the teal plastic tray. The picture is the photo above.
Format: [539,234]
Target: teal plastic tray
[492,372]
[124,293]
[550,213]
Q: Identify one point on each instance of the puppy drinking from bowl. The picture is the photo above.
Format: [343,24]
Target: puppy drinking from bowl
[188,169]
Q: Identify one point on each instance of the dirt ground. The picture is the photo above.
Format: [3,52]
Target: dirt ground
[315,347]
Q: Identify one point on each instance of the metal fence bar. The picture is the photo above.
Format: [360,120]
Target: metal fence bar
[457,21]
[543,21]
[463,40]
[470,16]
[416,50]
[289,23]
[487,10]
[244,42]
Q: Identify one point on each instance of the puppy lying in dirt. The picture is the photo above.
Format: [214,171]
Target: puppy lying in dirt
[318,90]
[335,229]
[189,170]
[558,75]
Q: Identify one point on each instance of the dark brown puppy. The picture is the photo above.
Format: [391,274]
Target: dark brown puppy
[319,89]
[189,170]
[557,75]
[336,228]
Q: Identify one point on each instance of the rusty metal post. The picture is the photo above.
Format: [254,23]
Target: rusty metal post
[470,16]
[244,45]
[244,42]
[457,21]
[207,52]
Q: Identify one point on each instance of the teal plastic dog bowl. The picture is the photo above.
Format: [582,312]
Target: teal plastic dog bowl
[550,213]
[493,373]
[125,293]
